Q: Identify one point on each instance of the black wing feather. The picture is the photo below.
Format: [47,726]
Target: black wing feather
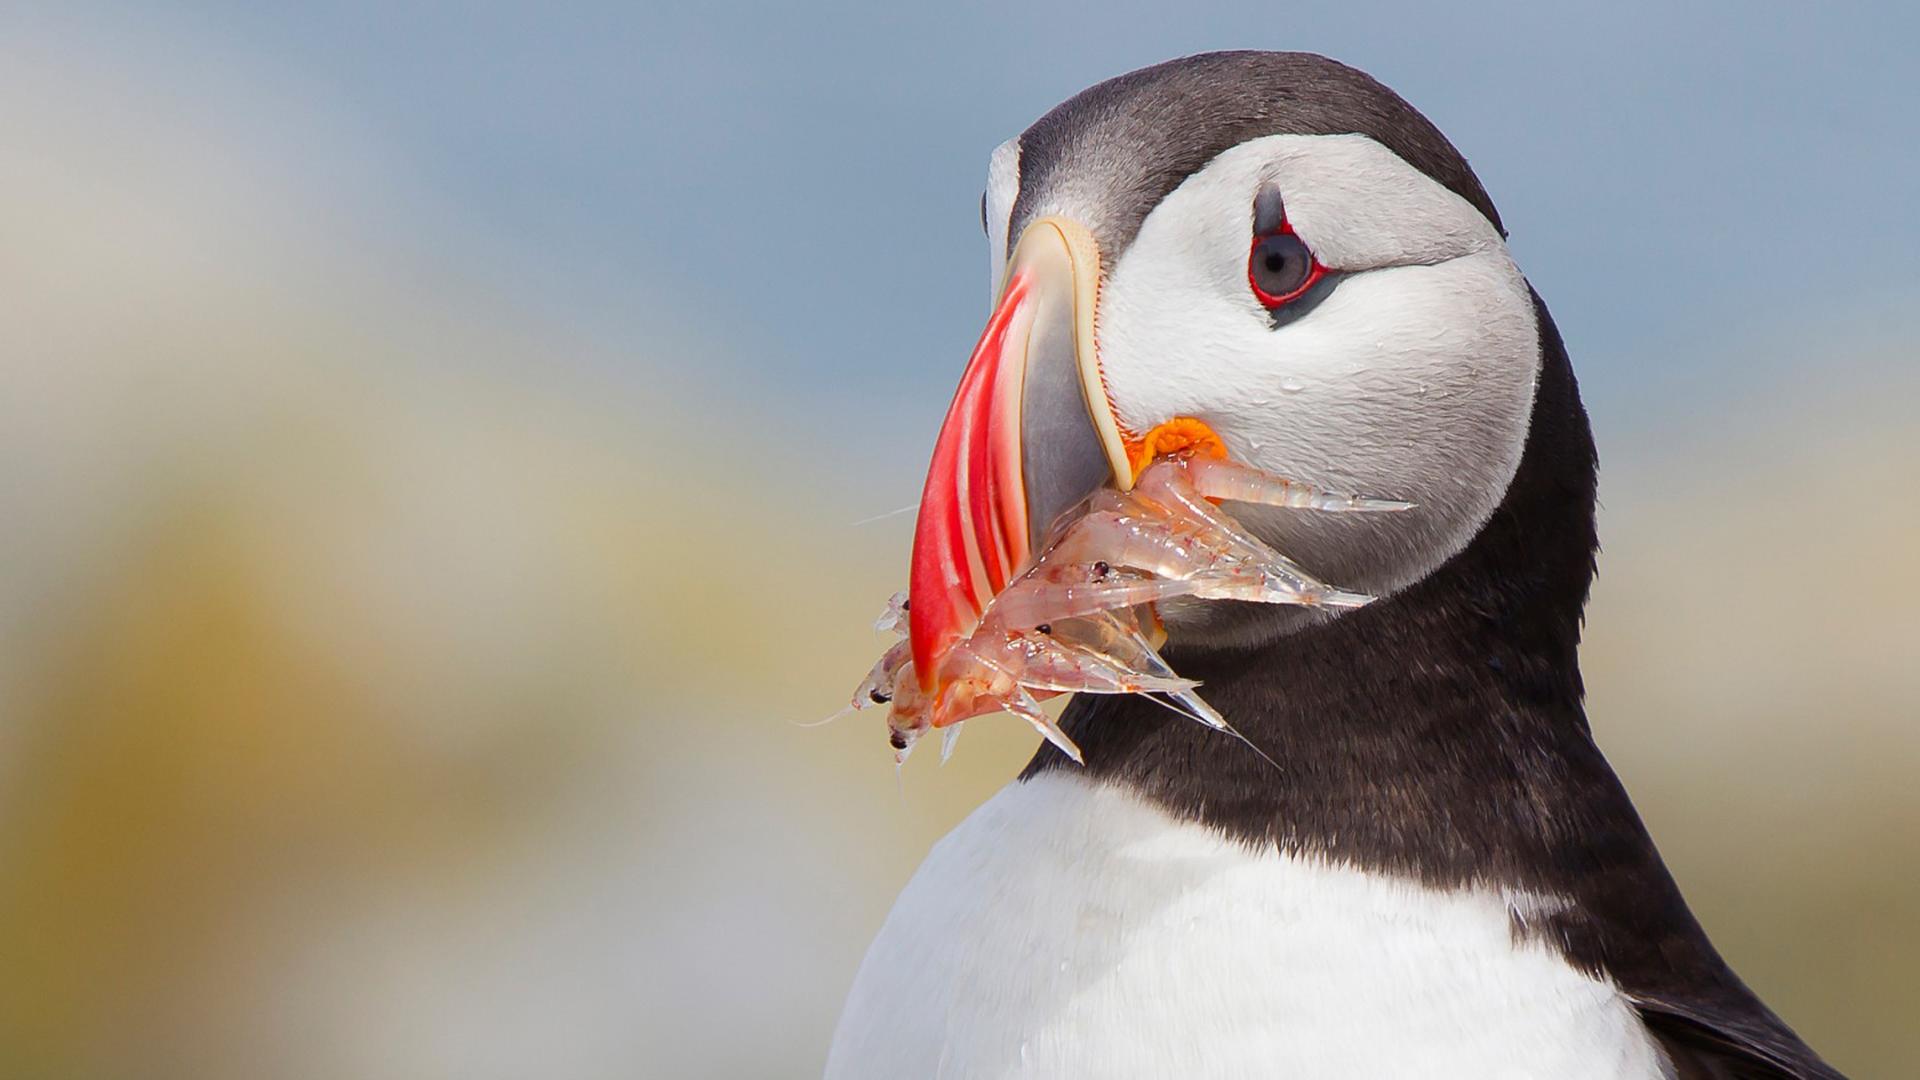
[1707,1047]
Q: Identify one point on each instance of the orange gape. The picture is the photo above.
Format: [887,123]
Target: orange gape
[1176,435]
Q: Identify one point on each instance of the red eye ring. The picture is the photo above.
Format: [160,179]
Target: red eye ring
[1281,268]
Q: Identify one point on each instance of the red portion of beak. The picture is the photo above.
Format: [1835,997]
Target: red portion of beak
[1029,436]
[971,537]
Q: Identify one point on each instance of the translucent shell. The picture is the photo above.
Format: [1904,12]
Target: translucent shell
[1073,622]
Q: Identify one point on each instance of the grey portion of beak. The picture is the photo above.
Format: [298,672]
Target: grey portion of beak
[1062,457]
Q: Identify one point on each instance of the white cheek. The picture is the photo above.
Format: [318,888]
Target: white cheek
[1411,379]
[1412,382]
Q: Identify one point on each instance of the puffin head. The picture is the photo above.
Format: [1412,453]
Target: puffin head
[1268,254]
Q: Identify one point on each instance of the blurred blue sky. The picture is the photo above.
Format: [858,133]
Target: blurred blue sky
[787,193]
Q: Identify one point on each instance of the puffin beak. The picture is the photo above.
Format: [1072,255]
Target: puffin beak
[1029,435]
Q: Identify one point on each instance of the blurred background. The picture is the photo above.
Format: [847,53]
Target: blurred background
[432,436]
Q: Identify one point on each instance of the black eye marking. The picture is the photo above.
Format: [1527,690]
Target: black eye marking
[1269,211]
[1302,306]
[983,214]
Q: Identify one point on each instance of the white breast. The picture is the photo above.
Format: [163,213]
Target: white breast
[1066,929]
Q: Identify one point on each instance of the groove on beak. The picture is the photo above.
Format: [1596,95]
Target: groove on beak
[1029,435]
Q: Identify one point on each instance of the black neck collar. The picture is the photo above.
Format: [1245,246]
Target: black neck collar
[1436,733]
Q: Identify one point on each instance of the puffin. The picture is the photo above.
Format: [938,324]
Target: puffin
[1422,865]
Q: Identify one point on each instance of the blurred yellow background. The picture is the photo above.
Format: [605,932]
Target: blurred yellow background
[416,571]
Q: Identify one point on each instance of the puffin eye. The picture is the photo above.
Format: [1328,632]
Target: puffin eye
[1281,267]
